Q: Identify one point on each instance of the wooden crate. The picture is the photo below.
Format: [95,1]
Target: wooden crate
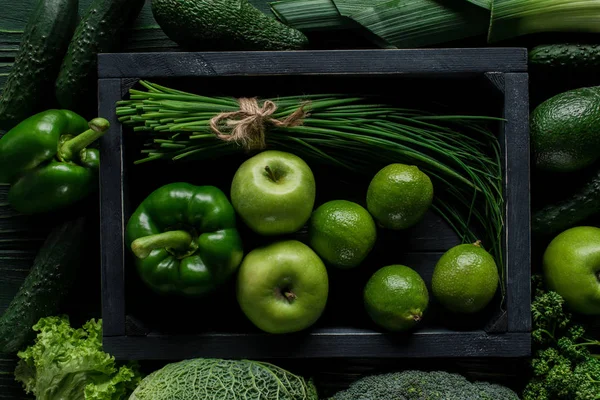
[140,325]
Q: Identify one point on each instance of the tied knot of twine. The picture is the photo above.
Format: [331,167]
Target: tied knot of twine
[248,124]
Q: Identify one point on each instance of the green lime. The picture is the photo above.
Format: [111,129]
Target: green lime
[465,278]
[399,195]
[396,298]
[342,233]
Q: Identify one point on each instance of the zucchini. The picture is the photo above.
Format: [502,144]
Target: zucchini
[565,55]
[100,30]
[29,87]
[49,281]
[569,212]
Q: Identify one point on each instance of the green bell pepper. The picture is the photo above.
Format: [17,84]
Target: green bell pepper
[184,239]
[46,160]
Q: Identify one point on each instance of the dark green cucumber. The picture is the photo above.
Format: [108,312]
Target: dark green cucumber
[565,55]
[101,30]
[224,25]
[29,87]
[571,211]
[49,281]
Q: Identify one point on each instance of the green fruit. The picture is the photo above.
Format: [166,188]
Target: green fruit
[399,196]
[396,298]
[465,278]
[221,25]
[342,233]
[571,267]
[565,130]
[274,192]
[282,287]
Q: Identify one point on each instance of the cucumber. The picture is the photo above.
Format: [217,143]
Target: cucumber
[30,84]
[49,281]
[101,30]
[565,55]
[224,25]
[569,212]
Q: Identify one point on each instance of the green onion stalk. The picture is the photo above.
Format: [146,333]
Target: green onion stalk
[355,134]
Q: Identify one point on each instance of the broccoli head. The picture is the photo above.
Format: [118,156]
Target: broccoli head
[421,385]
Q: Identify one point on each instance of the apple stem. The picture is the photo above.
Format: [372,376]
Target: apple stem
[271,174]
[290,296]
[180,240]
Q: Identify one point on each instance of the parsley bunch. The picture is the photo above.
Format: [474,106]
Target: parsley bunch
[564,366]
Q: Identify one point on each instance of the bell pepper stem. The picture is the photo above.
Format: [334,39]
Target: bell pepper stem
[98,126]
[178,240]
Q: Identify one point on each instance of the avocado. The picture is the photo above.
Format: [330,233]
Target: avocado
[220,25]
[565,130]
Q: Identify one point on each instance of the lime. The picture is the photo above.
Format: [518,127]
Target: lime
[465,278]
[396,297]
[399,195]
[342,233]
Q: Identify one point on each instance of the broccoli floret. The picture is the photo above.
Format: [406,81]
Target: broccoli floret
[421,385]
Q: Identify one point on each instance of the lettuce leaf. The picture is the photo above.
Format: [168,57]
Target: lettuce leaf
[69,363]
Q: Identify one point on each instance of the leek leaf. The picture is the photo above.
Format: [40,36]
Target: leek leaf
[419,23]
[309,14]
[512,18]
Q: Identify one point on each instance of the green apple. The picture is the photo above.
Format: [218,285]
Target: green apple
[274,192]
[282,287]
[572,268]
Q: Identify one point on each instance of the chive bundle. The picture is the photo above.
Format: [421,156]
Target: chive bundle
[462,158]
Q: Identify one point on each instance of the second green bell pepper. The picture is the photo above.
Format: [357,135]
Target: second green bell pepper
[46,160]
[184,239]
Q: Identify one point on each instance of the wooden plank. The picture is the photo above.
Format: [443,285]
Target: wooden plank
[518,233]
[418,61]
[330,343]
[111,211]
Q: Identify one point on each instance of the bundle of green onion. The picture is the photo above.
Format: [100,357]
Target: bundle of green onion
[353,133]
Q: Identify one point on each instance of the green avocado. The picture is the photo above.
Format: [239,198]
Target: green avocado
[565,131]
[224,25]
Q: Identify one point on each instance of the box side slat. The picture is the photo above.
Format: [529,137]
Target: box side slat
[111,211]
[418,61]
[327,344]
[518,236]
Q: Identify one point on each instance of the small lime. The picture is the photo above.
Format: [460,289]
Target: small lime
[399,195]
[396,298]
[342,233]
[465,278]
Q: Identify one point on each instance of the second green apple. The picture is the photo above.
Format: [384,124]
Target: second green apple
[274,192]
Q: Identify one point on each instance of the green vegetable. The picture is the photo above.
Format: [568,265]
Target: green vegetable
[66,363]
[223,379]
[513,18]
[564,366]
[461,157]
[185,239]
[43,45]
[46,160]
[100,31]
[224,25]
[46,286]
[572,210]
[564,130]
[565,55]
[397,23]
[418,385]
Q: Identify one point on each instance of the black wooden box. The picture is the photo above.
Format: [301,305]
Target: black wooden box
[140,325]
